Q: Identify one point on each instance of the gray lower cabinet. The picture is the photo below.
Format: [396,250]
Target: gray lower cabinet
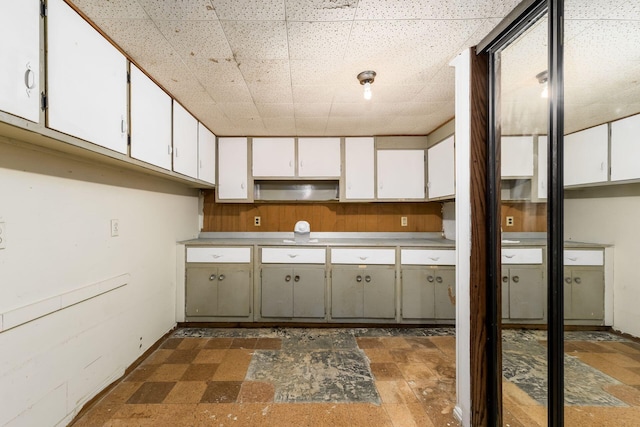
[363,292]
[428,293]
[584,293]
[523,295]
[217,290]
[293,292]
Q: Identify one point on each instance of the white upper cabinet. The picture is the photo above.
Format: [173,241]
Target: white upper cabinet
[274,157]
[625,149]
[359,172]
[542,166]
[319,157]
[185,142]
[232,169]
[206,154]
[20,58]
[400,174]
[150,121]
[441,169]
[516,156]
[586,156]
[86,81]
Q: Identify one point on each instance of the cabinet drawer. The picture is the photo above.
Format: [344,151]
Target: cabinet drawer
[219,255]
[293,255]
[583,258]
[363,256]
[428,257]
[522,256]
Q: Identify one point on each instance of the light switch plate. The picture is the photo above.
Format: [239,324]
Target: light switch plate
[403,221]
[115,228]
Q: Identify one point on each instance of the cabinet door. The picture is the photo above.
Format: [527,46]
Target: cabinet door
[319,157]
[587,294]
[206,154]
[625,148]
[86,81]
[526,294]
[445,293]
[20,58]
[400,174]
[379,293]
[185,142]
[273,157]
[202,291]
[586,155]
[232,169]
[347,292]
[441,169]
[359,171]
[517,156]
[277,292]
[418,293]
[234,291]
[308,292]
[150,121]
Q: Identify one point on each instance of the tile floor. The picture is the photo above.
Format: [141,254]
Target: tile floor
[359,377]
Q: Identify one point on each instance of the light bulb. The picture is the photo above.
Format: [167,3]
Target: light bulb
[367,91]
[545,91]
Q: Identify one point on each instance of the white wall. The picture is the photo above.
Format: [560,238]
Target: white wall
[612,220]
[57,214]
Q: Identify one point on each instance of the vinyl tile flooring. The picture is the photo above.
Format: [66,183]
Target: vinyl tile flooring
[360,377]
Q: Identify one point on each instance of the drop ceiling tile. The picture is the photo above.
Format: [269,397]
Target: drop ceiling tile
[229,93]
[353,93]
[209,114]
[248,126]
[425,9]
[114,9]
[270,111]
[437,92]
[280,126]
[320,10]
[273,72]
[196,39]
[249,10]
[214,71]
[321,72]
[239,110]
[311,126]
[197,10]
[350,110]
[257,39]
[422,108]
[263,93]
[312,110]
[318,40]
[609,9]
[313,94]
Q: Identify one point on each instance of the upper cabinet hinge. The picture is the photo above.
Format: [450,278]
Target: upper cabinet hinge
[128,77]
[129,140]
[43,101]
[43,8]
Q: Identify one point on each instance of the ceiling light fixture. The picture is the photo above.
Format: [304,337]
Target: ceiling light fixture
[366,78]
[543,79]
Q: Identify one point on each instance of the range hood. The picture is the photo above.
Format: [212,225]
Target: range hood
[296,191]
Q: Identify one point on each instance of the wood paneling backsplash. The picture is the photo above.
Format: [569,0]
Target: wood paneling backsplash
[323,217]
[527,217]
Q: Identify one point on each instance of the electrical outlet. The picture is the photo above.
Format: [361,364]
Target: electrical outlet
[509,221]
[3,235]
[256,221]
[115,228]
[403,221]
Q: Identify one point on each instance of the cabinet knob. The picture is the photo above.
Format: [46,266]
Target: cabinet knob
[577,280]
[515,279]
[359,279]
[212,277]
[430,279]
[505,279]
[567,280]
[288,278]
[296,279]
[367,279]
[221,277]
[439,279]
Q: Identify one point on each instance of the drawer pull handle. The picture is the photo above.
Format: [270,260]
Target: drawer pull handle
[567,280]
[363,257]
[434,258]
[221,277]
[296,279]
[367,279]
[505,279]
[216,256]
[572,258]
[430,279]
[212,277]
[288,278]
[359,279]
[515,279]
[509,256]
[577,280]
[292,255]
[439,279]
